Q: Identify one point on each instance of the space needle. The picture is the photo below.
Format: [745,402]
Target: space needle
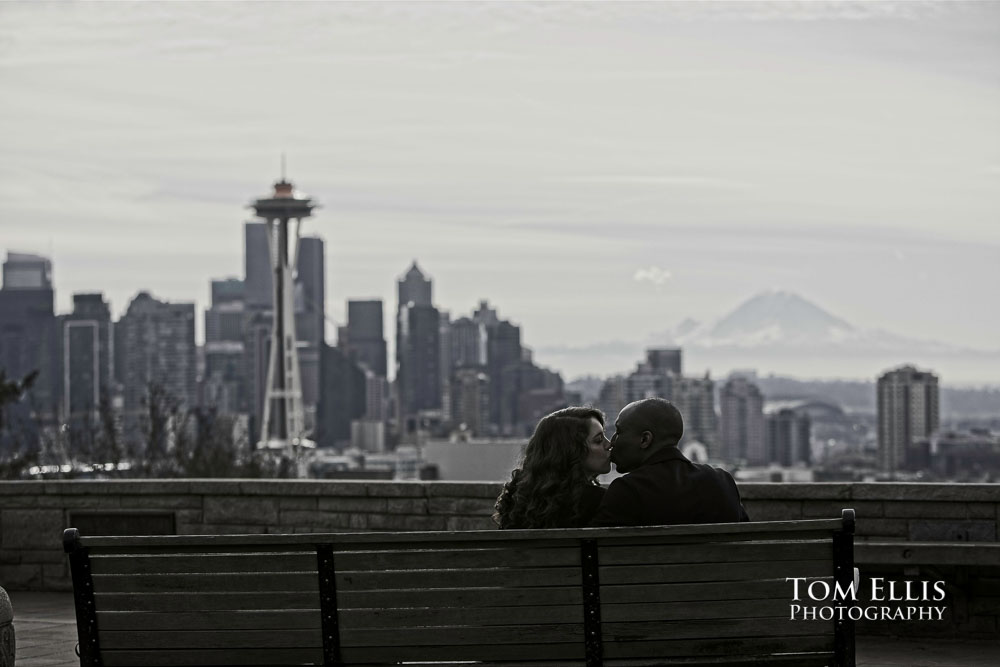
[283,426]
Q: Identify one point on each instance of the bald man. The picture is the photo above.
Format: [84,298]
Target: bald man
[662,486]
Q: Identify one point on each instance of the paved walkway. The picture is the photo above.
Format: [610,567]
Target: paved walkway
[45,626]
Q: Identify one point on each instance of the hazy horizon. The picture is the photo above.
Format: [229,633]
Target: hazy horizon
[598,171]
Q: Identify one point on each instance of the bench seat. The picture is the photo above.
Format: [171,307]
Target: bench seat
[697,594]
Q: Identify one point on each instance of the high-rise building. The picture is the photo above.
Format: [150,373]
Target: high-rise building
[363,337]
[503,355]
[907,411]
[28,331]
[695,398]
[86,360]
[418,349]
[158,355]
[223,381]
[414,288]
[742,422]
[664,360]
[418,375]
[257,267]
[310,292]
[342,397]
[610,400]
[788,436]
[470,396]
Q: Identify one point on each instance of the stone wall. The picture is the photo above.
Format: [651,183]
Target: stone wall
[33,515]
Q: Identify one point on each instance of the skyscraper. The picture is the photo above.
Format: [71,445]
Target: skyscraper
[742,422]
[664,360]
[788,434]
[695,398]
[418,348]
[223,383]
[86,359]
[365,338]
[907,411]
[310,292]
[158,352]
[28,335]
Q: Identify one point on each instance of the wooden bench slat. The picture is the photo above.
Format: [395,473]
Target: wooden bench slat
[302,561]
[473,537]
[220,583]
[209,639]
[566,556]
[464,636]
[715,553]
[764,536]
[763,647]
[637,574]
[232,619]
[452,615]
[500,578]
[209,658]
[701,591]
[524,652]
[707,629]
[441,597]
[193,564]
[204,601]
[679,611]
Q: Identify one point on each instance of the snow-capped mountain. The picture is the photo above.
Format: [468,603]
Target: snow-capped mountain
[783,319]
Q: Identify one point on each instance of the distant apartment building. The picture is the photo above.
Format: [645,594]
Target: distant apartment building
[907,405]
[741,422]
[158,355]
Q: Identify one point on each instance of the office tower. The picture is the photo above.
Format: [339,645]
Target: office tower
[364,337]
[223,385]
[467,343]
[742,422]
[86,359]
[611,400]
[257,267]
[788,434]
[28,331]
[418,349]
[158,355]
[256,353]
[695,398]
[645,382]
[470,398]
[664,360]
[503,353]
[413,288]
[310,292]
[418,375]
[342,397]
[907,411]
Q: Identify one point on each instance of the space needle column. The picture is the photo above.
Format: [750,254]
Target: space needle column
[283,425]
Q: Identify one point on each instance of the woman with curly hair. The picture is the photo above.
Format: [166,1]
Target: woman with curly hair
[556,485]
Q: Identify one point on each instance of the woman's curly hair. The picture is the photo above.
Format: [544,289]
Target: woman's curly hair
[546,490]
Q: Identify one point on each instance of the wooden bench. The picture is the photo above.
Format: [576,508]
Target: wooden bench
[694,594]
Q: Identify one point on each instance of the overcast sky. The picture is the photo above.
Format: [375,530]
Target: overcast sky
[598,171]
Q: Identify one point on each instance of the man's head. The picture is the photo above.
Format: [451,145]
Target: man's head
[644,427]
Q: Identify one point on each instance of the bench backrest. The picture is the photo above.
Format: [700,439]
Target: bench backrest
[575,596]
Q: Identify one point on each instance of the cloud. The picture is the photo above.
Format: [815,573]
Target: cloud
[654,275]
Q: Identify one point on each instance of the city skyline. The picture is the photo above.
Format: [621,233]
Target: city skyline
[643,163]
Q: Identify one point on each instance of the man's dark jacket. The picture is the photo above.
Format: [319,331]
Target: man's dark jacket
[669,489]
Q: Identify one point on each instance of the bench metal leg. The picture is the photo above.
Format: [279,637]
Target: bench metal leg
[591,603]
[83,596]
